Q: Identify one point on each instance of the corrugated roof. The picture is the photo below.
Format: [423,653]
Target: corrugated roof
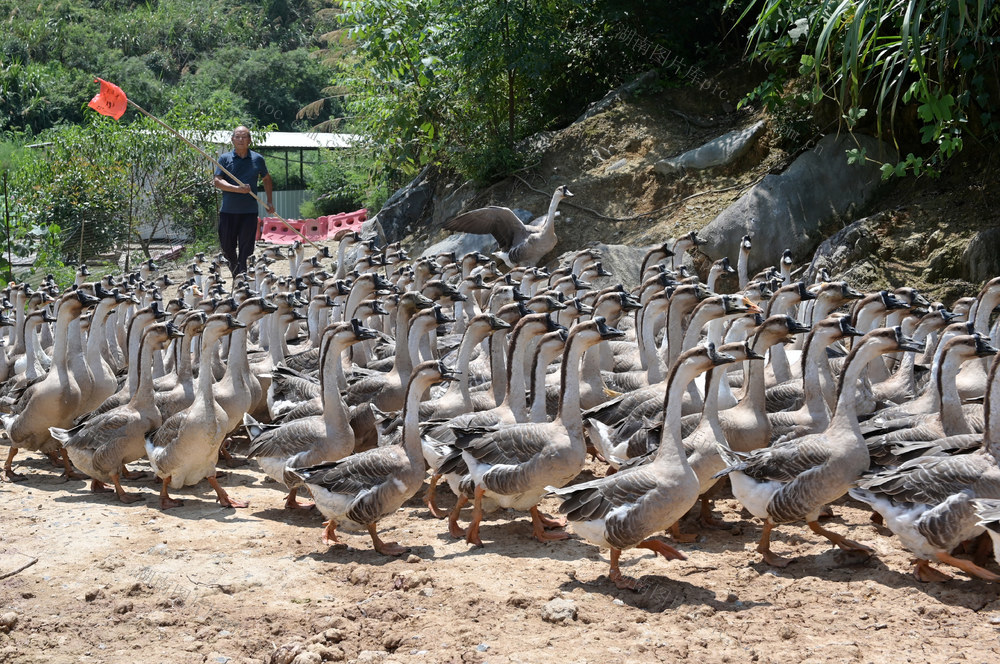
[279,139]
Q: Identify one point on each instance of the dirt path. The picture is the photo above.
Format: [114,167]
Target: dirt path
[200,583]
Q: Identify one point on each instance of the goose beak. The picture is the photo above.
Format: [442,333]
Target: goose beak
[984,348]
[908,343]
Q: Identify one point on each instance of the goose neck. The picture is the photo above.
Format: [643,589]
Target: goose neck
[569,402]
[671,450]
[142,394]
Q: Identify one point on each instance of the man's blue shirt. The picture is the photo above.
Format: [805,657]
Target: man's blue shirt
[248,169]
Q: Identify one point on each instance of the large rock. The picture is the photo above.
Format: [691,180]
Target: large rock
[851,254]
[718,152]
[981,259]
[789,210]
[614,96]
[399,215]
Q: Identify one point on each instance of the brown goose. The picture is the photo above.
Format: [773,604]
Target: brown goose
[624,510]
[185,449]
[516,463]
[54,400]
[104,443]
[795,480]
[520,244]
[364,487]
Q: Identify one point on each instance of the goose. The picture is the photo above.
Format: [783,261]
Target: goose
[365,487]
[928,402]
[308,441]
[623,510]
[136,326]
[654,256]
[54,400]
[102,379]
[185,449]
[33,368]
[458,399]
[795,480]
[175,391]
[515,463]
[951,416]
[812,416]
[920,500]
[520,244]
[746,424]
[440,455]
[103,444]
[239,390]
[645,403]
[743,262]
[701,445]
[387,390]
[681,245]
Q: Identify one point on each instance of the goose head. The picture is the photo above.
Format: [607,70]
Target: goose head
[803,291]
[605,331]
[361,333]
[544,303]
[777,329]
[746,244]
[968,346]
[562,192]
[722,267]
[372,307]
[738,304]
[911,296]
[891,302]
[412,301]
[432,372]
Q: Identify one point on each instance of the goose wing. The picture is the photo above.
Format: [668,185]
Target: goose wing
[782,463]
[512,454]
[598,498]
[498,446]
[368,476]
[101,430]
[500,222]
[287,440]
[931,479]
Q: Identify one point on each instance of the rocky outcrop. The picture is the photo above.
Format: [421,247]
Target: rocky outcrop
[721,151]
[789,210]
[851,253]
[981,259]
[400,214]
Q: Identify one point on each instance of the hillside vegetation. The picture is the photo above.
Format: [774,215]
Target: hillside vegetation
[455,85]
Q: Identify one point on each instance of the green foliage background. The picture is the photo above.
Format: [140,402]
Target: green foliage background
[449,83]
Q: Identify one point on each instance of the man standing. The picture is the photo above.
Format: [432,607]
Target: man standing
[238,216]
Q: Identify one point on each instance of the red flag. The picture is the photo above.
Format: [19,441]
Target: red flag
[111,100]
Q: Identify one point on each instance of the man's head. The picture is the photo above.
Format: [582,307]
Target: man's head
[241,140]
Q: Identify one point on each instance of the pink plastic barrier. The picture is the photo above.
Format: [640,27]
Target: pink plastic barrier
[271,230]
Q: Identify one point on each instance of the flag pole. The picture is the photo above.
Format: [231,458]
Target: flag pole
[220,166]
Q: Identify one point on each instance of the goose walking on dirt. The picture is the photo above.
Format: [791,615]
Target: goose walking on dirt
[365,487]
[623,510]
[795,480]
[185,449]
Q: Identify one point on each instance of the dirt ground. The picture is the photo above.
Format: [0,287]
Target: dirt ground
[202,583]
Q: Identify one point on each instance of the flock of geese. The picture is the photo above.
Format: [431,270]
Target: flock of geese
[352,382]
